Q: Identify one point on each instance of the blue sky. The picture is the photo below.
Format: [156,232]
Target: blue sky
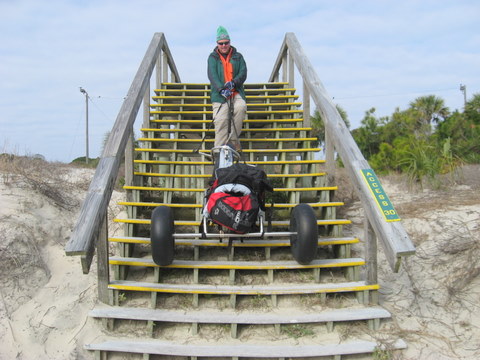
[380,54]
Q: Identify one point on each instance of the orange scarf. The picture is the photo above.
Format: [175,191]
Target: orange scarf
[227,67]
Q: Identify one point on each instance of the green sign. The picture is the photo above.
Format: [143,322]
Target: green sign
[380,196]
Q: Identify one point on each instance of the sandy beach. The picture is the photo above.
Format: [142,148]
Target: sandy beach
[45,298]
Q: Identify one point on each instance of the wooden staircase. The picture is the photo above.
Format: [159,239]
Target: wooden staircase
[250,299]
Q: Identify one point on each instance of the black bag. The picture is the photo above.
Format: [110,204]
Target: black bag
[252,177]
[237,208]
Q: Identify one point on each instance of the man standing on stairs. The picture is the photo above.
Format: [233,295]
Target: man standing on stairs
[227,71]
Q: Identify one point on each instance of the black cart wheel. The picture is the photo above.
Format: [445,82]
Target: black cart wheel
[303,222]
[161,236]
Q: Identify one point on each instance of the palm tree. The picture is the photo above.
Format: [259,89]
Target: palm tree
[428,109]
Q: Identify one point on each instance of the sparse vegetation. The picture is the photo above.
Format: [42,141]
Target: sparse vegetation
[297,330]
[422,141]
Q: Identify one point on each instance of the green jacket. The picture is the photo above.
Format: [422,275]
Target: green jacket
[215,74]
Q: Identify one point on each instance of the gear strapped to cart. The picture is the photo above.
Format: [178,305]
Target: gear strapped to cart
[234,204]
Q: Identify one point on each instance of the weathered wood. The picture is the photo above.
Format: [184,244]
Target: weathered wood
[371,253]
[240,265]
[94,208]
[146,108]
[323,241]
[158,347]
[306,106]
[269,289]
[129,158]
[396,243]
[239,317]
[102,263]
[329,158]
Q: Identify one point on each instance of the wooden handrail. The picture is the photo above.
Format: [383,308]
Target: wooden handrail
[392,235]
[94,209]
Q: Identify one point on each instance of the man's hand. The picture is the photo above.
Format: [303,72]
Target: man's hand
[226,93]
[229,85]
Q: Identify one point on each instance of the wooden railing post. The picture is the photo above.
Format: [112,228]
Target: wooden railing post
[129,157]
[165,67]
[103,272]
[306,106]
[371,253]
[291,71]
[146,108]
[159,72]
[329,157]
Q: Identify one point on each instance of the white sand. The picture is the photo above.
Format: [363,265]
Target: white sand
[45,297]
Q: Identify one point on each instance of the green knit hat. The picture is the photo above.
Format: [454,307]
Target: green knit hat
[222,34]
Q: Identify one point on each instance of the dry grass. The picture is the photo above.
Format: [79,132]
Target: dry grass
[45,178]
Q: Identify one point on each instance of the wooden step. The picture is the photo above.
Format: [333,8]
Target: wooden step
[239,349]
[150,188]
[322,241]
[191,152]
[245,290]
[239,265]
[210,112]
[199,206]
[197,223]
[246,121]
[207,176]
[209,105]
[212,131]
[257,162]
[207,97]
[227,316]
[242,140]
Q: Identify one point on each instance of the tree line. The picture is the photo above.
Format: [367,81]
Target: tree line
[422,141]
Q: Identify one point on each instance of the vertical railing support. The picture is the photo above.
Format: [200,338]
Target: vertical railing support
[103,272]
[158,73]
[329,158]
[291,71]
[371,253]
[165,68]
[306,106]
[129,157]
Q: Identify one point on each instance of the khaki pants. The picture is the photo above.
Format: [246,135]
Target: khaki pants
[221,114]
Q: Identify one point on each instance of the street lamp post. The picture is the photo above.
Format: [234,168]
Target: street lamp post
[83,91]
[463,88]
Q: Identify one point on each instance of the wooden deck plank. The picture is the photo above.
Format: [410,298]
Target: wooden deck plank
[185,205]
[226,316]
[239,265]
[236,349]
[269,289]
[206,176]
[244,243]
[197,223]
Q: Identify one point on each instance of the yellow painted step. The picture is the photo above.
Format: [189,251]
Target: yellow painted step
[322,241]
[246,151]
[190,206]
[248,121]
[151,188]
[247,130]
[257,162]
[209,105]
[239,265]
[206,176]
[197,223]
[290,289]
[242,140]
